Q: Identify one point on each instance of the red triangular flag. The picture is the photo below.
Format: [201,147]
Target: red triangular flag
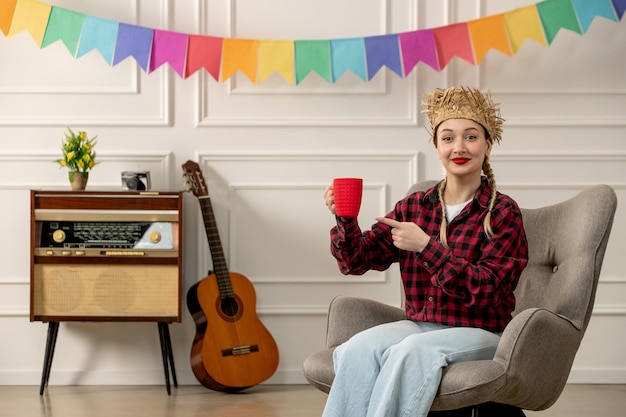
[204,52]
[453,40]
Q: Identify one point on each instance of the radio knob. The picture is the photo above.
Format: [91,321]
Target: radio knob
[155,237]
[58,236]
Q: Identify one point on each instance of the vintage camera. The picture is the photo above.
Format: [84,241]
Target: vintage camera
[136,180]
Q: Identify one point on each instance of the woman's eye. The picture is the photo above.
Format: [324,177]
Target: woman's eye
[470,137]
[447,139]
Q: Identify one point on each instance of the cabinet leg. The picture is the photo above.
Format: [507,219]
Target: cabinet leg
[170,353]
[168,356]
[53,331]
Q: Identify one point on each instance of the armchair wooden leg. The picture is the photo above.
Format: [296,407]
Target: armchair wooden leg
[497,410]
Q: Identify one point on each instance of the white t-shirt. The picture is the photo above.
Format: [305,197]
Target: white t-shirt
[452,210]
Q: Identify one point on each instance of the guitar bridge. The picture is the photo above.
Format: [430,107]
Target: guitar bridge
[240,350]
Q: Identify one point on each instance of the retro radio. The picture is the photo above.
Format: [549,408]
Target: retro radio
[106,256]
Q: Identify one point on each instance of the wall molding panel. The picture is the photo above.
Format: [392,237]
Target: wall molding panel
[70,91]
[236,102]
[107,175]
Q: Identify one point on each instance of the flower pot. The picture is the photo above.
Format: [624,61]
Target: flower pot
[78,180]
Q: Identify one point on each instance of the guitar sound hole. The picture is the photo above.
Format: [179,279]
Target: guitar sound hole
[229,305]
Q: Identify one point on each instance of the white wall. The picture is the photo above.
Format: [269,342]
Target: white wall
[268,151]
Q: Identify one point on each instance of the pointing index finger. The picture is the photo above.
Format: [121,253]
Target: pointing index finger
[388,221]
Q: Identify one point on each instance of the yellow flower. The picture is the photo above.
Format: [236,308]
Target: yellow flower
[78,151]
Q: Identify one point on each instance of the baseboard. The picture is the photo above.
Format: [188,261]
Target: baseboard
[116,377]
[597,376]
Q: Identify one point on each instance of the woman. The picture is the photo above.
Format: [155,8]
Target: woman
[461,248]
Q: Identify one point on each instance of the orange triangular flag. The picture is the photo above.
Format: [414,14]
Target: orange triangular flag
[239,55]
[7,8]
[276,56]
[522,24]
[486,33]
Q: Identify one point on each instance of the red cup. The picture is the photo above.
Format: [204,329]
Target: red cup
[348,193]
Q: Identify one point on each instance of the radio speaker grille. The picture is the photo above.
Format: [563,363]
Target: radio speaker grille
[75,291]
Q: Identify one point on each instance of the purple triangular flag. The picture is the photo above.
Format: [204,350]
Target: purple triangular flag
[135,41]
[382,51]
[620,6]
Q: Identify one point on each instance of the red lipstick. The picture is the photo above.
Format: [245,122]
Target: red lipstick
[460,161]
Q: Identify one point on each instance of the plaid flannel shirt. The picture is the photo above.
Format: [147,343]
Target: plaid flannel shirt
[470,283]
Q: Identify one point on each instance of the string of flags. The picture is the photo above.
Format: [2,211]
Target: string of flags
[294,60]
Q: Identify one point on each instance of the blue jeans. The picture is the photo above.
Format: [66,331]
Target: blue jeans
[394,369]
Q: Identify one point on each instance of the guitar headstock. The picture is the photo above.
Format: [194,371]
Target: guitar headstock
[195,179]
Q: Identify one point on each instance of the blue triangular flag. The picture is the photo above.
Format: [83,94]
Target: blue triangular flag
[347,54]
[100,34]
[588,10]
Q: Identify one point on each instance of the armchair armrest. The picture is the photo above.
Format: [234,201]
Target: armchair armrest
[537,350]
[529,369]
[349,315]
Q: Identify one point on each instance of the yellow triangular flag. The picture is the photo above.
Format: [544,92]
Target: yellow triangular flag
[31,15]
[239,55]
[486,33]
[522,24]
[276,56]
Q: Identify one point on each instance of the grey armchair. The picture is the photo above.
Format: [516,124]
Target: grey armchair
[555,297]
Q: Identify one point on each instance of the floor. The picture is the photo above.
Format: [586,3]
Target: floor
[260,401]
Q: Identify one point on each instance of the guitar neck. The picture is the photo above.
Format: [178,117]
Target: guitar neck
[217,253]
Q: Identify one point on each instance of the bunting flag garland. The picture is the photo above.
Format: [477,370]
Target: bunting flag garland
[382,51]
[523,24]
[348,54]
[588,10]
[32,16]
[556,15]
[276,56]
[239,55]
[294,60]
[170,47]
[489,33]
[204,52]
[99,34]
[418,46]
[135,41]
[312,56]
[65,26]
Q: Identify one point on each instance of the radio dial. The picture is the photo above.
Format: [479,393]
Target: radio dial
[155,237]
[58,236]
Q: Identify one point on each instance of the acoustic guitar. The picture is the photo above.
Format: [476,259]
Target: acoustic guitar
[232,350]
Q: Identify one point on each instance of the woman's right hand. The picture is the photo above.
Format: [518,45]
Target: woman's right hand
[329,198]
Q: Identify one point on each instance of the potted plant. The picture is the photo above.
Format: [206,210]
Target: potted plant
[79,156]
